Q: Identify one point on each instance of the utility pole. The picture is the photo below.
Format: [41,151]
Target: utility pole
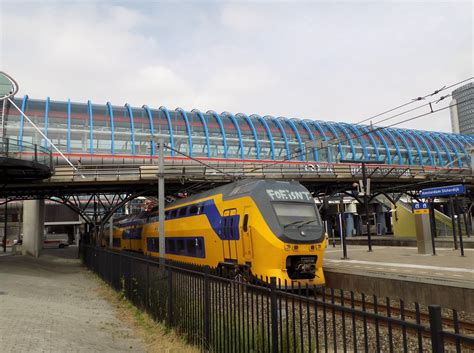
[161,200]
[5,228]
[432,224]
[366,205]
[4,103]
[365,185]
[111,232]
[343,230]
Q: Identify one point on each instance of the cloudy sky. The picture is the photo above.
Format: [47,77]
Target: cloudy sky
[328,60]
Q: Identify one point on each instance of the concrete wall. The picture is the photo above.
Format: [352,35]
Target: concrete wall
[403,223]
[33,227]
[444,294]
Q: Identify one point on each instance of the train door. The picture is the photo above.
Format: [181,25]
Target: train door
[127,239]
[230,234]
[246,236]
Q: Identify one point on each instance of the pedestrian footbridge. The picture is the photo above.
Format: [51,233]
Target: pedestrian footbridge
[115,147]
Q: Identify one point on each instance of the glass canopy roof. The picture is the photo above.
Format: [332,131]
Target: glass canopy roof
[91,129]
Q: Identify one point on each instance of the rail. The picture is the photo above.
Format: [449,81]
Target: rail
[225,315]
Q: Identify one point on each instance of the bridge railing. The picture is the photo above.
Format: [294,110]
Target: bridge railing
[228,315]
[25,151]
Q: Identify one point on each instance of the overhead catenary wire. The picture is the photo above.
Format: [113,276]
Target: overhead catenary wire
[420,98]
[200,162]
[437,91]
[299,153]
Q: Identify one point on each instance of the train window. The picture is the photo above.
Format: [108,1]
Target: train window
[193,210]
[167,214]
[152,245]
[182,211]
[289,213]
[199,245]
[170,246]
[246,223]
[180,249]
[231,228]
[173,213]
[224,227]
[184,246]
[190,247]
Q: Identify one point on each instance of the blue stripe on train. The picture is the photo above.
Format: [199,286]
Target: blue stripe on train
[208,208]
[225,227]
[182,246]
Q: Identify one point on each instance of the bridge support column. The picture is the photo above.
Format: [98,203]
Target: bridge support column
[33,227]
[349,219]
[380,220]
[423,234]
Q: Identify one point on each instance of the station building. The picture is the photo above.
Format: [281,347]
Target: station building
[462,109]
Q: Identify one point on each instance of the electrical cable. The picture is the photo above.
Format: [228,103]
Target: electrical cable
[298,153]
[199,161]
[415,100]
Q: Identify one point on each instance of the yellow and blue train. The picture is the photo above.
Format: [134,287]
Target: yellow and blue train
[256,227]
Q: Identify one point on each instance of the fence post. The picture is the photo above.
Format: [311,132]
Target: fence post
[207,308]
[121,284]
[436,328]
[94,260]
[274,314]
[147,291]
[170,298]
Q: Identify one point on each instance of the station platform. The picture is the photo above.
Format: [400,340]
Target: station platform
[446,279]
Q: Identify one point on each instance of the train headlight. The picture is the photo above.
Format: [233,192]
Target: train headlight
[303,233]
[312,247]
[287,247]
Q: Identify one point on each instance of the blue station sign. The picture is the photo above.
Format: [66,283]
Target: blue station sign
[443,191]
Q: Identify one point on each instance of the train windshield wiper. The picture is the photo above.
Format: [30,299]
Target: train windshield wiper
[292,223]
[307,222]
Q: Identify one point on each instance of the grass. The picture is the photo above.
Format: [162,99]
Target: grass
[157,338]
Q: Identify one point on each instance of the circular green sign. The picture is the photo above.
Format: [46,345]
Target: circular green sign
[8,86]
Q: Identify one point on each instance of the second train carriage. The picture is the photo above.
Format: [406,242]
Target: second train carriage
[258,227]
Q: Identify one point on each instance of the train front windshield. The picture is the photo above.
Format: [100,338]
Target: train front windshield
[296,214]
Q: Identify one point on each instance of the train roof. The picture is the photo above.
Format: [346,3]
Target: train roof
[241,188]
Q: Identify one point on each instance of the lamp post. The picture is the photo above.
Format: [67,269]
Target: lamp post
[161,199]
[365,183]
[161,196]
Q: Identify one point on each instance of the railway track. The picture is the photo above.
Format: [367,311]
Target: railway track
[452,324]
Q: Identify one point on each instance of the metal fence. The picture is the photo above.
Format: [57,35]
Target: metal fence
[11,148]
[226,315]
